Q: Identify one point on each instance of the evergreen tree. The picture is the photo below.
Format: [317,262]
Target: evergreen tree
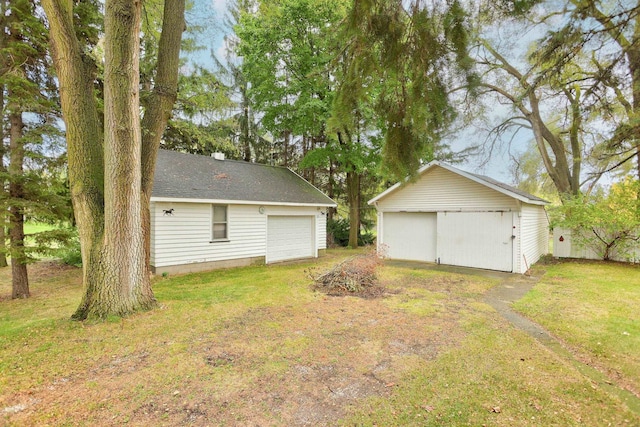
[29,114]
[405,55]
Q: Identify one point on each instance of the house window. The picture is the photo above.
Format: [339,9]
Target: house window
[220,225]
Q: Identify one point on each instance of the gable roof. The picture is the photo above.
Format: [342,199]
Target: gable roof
[498,186]
[195,177]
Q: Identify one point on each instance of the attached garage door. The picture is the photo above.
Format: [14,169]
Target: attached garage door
[476,239]
[410,235]
[289,237]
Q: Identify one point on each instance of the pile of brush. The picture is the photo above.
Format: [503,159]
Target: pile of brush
[354,276]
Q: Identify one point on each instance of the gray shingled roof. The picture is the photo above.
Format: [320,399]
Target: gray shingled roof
[190,176]
[508,187]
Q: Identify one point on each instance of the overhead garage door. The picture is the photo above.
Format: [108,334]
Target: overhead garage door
[410,235]
[476,239]
[289,237]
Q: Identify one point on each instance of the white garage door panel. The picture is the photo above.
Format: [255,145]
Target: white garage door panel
[289,237]
[410,235]
[476,239]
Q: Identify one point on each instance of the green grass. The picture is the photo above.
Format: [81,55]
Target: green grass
[256,346]
[37,227]
[595,308]
[495,377]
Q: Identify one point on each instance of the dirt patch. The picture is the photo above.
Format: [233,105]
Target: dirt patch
[293,364]
[47,269]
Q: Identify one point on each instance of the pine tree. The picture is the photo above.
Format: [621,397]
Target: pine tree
[29,114]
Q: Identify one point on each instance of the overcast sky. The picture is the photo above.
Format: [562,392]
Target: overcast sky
[210,15]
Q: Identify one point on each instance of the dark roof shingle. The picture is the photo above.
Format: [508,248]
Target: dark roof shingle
[190,176]
[508,188]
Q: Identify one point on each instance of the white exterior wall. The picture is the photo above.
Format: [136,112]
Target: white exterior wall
[441,190]
[566,249]
[534,236]
[320,219]
[185,236]
[152,208]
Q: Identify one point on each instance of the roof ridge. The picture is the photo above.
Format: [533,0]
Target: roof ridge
[225,160]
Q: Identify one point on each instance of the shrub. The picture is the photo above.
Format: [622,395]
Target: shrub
[339,230]
[608,224]
[71,254]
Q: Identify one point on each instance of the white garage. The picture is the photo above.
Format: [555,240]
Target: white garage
[449,216]
[289,237]
[208,212]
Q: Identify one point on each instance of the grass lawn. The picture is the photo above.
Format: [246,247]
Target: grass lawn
[37,227]
[594,308]
[256,347]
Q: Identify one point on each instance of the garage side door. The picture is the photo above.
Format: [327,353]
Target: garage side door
[289,237]
[476,239]
[410,235]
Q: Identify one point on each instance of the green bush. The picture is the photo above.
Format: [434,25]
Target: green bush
[339,229]
[70,254]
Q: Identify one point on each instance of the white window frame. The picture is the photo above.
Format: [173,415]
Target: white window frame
[214,222]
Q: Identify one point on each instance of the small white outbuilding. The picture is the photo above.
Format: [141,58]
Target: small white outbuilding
[449,216]
[208,212]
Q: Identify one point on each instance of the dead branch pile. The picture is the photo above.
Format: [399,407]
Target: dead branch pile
[353,276]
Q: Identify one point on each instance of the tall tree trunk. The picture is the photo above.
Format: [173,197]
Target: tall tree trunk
[110,212]
[285,148]
[3,213]
[19,277]
[125,286]
[3,241]
[158,110]
[633,55]
[76,73]
[330,189]
[244,129]
[353,191]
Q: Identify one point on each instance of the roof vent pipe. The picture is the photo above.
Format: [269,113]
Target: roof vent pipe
[218,156]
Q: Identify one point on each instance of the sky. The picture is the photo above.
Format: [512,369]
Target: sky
[210,15]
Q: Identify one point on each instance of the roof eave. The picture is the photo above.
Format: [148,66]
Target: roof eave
[494,187]
[239,202]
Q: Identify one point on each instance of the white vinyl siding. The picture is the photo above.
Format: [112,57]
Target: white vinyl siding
[152,222]
[565,248]
[409,235]
[185,236]
[321,229]
[475,223]
[439,189]
[534,232]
